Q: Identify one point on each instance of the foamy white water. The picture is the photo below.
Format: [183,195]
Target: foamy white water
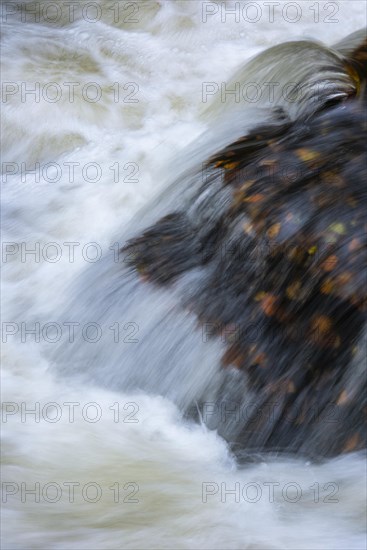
[172,475]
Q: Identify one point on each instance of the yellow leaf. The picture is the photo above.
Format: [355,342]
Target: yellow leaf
[307,154]
[338,228]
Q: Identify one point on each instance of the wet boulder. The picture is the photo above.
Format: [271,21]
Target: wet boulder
[282,260]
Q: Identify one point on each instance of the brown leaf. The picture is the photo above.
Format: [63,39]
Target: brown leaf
[351,443]
[322,324]
[293,290]
[273,231]
[260,359]
[354,245]
[343,398]
[327,286]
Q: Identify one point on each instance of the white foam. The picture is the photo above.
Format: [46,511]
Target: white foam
[169,56]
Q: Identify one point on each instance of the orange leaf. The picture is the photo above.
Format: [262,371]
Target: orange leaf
[327,287]
[255,198]
[330,263]
[260,359]
[230,165]
[322,323]
[268,304]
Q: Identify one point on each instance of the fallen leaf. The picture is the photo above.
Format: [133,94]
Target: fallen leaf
[351,443]
[268,304]
[343,398]
[321,323]
[307,154]
[254,198]
[293,290]
[338,228]
[330,263]
[273,231]
[230,165]
[327,286]
[260,359]
[354,245]
[344,278]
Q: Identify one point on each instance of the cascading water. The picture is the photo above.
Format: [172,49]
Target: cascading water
[135,387]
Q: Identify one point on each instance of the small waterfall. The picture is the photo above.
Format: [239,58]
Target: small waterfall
[239,250]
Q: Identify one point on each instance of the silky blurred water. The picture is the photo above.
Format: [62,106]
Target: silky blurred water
[113,418]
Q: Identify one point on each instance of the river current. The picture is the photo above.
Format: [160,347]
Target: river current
[102,105]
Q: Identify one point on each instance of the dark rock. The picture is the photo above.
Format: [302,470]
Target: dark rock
[286,260]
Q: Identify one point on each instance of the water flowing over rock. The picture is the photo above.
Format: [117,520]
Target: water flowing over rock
[275,239]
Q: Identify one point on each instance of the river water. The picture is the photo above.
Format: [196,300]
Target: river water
[100,102]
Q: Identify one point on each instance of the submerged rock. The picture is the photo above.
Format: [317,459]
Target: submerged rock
[281,245]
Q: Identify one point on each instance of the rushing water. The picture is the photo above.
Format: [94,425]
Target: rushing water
[156,480]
